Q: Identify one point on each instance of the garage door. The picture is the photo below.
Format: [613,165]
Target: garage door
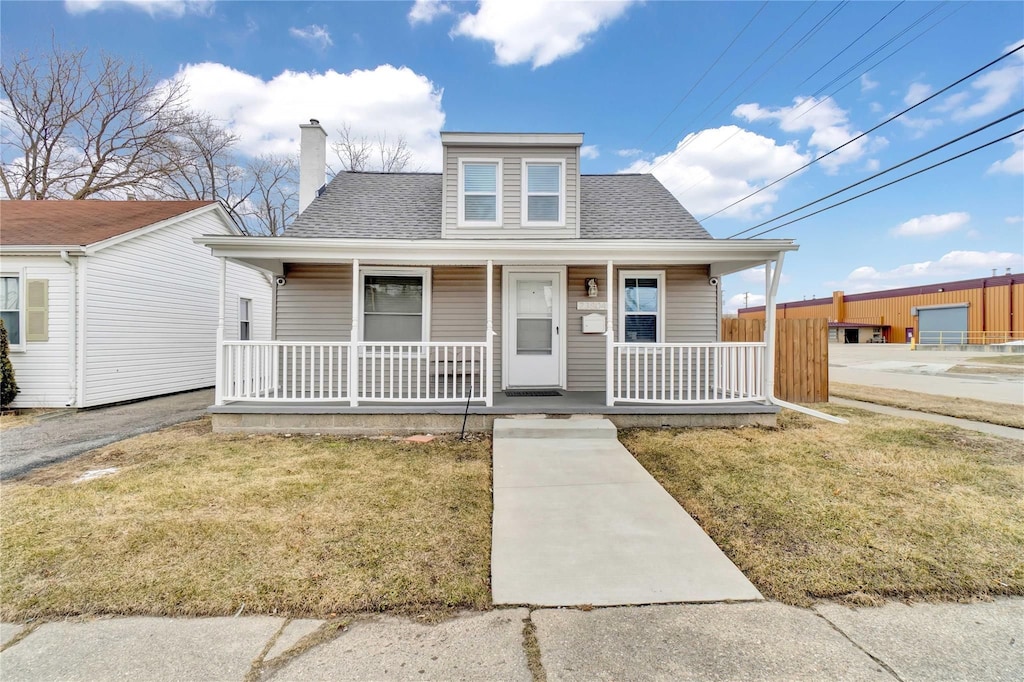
[942,324]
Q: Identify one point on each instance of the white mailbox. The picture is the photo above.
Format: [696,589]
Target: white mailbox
[593,323]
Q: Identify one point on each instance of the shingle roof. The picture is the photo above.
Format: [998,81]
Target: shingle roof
[408,206]
[82,222]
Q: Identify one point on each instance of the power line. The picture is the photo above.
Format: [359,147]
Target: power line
[854,42]
[880,173]
[795,46]
[865,133]
[889,184]
[706,72]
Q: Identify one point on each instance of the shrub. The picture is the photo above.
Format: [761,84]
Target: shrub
[8,386]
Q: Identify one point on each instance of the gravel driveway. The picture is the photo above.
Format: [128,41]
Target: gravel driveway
[69,433]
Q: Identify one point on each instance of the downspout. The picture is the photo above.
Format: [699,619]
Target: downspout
[72,329]
[773,290]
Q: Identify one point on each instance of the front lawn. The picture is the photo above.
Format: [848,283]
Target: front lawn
[195,523]
[964,408]
[881,508]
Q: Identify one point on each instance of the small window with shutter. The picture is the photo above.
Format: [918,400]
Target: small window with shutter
[37,310]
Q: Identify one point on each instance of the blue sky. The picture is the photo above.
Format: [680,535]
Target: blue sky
[714,97]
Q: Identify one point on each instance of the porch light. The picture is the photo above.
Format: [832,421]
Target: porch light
[592,287]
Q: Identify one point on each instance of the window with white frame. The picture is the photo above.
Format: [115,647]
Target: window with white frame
[10,307]
[543,192]
[396,305]
[642,306]
[480,193]
[244,319]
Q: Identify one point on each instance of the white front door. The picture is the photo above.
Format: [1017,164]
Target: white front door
[533,329]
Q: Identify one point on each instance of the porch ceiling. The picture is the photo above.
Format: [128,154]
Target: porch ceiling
[724,255]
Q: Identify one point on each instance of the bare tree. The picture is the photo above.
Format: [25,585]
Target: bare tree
[360,153]
[81,129]
[274,200]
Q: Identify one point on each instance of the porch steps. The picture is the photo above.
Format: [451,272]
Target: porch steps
[554,428]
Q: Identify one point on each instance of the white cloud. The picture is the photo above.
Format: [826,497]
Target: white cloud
[425,11]
[629,153]
[872,165]
[952,102]
[314,34]
[154,8]
[266,114]
[828,123]
[1014,219]
[996,88]
[715,167]
[537,31]
[973,234]
[756,276]
[876,107]
[866,83]
[953,265]
[916,92]
[919,126]
[1014,164]
[738,301]
[931,224]
[590,151]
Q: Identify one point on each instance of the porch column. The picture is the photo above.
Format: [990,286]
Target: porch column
[772,277]
[609,334]
[353,348]
[218,390]
[489,373]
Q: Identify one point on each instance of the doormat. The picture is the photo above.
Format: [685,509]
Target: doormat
[533,393]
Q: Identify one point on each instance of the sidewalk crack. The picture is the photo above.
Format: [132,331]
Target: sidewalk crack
[531,647]
[256,669]
[885,666]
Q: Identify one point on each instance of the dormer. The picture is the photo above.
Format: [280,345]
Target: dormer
[511,185]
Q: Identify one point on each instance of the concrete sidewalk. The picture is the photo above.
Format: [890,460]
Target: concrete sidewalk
[751,641]
[577,520]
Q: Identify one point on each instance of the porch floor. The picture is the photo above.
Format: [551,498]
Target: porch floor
[568,402]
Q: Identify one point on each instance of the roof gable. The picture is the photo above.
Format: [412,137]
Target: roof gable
[82,222]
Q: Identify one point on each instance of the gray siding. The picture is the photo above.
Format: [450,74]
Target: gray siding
[315,305]
[512,170]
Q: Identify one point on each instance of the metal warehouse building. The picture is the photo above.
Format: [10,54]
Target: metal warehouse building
[970,311]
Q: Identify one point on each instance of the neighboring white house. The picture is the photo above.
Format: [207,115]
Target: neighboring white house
[108,301]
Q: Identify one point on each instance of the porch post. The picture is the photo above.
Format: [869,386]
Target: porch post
[489,373]
[353,348]
[218,390]
[609,334]
[772,276]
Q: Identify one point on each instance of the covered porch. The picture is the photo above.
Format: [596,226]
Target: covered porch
[597,351]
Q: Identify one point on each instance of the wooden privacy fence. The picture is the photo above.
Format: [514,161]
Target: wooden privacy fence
[801,355]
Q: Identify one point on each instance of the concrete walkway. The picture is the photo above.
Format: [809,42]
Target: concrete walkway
[577,520]
[981,427]
[981,642]
[56,436]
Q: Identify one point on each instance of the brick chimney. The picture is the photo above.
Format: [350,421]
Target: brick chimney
[312,161]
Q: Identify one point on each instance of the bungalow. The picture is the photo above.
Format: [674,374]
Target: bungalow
[110,301]
[508,283]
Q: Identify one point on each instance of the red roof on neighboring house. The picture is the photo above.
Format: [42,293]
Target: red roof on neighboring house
[82,222]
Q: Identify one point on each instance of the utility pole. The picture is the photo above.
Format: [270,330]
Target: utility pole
[746,299]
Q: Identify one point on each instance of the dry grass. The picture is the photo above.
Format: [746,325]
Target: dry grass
[196,523]
[14,419]
[1011,359]
[882,508]
[964,408]
[1012,365]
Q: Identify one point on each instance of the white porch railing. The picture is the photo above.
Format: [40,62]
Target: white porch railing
[688,372]
[407,372]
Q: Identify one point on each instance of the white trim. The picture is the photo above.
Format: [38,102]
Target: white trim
[455,139]
[425,273]
[660,276]
[740,253]
[497,222]
[22,344]
[525,194]
[506,324]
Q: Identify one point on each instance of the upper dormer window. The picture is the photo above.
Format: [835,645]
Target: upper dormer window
[480,193]
[543,192]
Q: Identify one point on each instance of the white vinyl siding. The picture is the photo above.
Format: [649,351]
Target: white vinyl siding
[543,186]
[511,192]
[480,193]
[151,312]
[42,368]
